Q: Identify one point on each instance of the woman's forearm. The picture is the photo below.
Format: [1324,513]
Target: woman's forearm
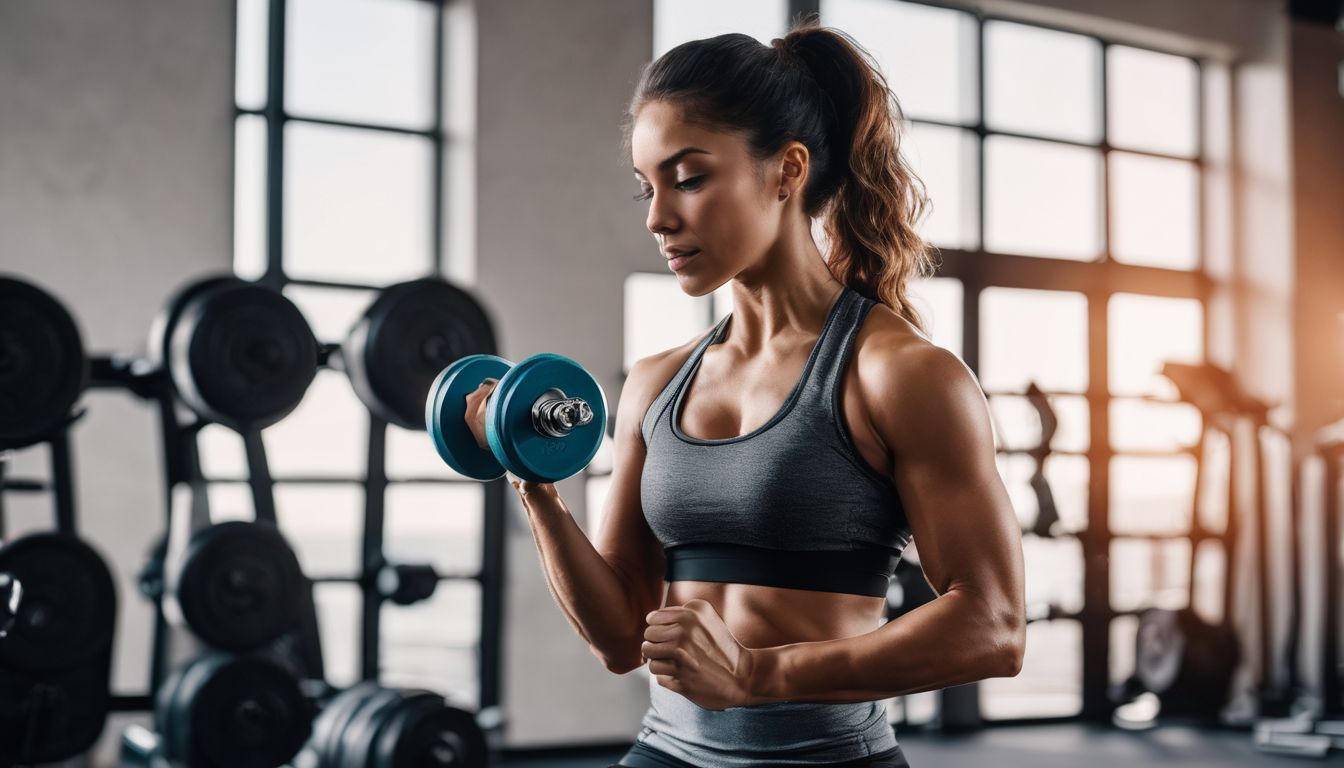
[591,593]
[957,638]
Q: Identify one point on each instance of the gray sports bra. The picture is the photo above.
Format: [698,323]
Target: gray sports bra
[790,504]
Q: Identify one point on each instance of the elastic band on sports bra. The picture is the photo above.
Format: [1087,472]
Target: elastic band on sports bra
[856,572]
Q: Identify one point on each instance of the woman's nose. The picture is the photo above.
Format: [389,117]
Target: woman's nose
[662,219]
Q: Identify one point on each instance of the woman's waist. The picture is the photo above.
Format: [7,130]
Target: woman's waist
[763,616]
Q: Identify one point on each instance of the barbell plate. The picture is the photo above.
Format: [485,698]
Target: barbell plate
[240,585]
[51,716]
[410,333]
[239,712]
[426,730]
[445,412]
[513,438]
[69,607]
[42,364]
[242,355]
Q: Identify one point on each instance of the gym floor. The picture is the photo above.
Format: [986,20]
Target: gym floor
[1039,746]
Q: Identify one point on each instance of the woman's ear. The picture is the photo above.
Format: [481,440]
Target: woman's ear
[793,165]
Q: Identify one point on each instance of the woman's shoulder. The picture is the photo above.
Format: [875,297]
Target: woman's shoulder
[649,375]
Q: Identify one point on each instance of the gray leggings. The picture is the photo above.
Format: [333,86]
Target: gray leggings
[641,756]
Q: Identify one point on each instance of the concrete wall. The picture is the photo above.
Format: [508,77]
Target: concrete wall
[116,184]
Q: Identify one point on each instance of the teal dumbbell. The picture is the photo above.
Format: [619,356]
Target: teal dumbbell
[544,421]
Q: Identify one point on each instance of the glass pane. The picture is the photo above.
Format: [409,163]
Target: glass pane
[1147,331]
[1066,478]
[1213,498]
[1124,632]
[357,204]
[433,644]
[1042,199]
[1210,572]
[1149,574]
[1042,82]
[326,436]
[1154,211]
[1141,425]
[939,301]
[1029,335]
[659,316]
[250,74]
[436,524]
[677,21]
[947,160]
[332,312]
[411,455]
[338,621]
[230,501]
[1153,99]
[1152,495]
[1054,571]
[222,453]
[324,525]
[249,196]
[1018,423]
[369,61]
[929,55]
[1051,681]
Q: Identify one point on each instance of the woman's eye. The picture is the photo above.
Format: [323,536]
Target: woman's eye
[689,184]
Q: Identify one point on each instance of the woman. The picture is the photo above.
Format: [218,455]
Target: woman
[769,473]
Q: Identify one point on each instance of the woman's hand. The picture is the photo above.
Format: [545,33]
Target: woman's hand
[691,651]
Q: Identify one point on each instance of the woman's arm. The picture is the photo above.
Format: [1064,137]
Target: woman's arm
[930,412]
[605,586]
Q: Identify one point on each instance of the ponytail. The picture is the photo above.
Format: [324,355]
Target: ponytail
[818,86]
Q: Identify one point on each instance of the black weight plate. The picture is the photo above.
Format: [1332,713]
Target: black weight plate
[69,605]
[239,585]
[242,712]
[428,731]
[52,716]
[408,334]
[161,330]
[361,733]
[242,355]
[42,365]
[329,728]
[169,720]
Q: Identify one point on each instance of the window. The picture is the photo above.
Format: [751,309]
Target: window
[339,186]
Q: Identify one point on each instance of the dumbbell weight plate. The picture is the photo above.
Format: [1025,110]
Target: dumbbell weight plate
[445,414]
[324,746]
[240,585]
[69,605]
[241,355]
[51,716]
[361,732]
[427,731]
[410,333]
[42,365]
[510,429]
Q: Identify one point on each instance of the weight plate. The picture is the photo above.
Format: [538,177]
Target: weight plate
[47,717]
[330,726]
[240,586]
[361,733]
[239,712]
[515,440]
[426,730]
[42,365]
[242,355]
[69,606]
[410,333]
[445,415]
[161,330]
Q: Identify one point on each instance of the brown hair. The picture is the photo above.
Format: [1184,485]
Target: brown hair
[816,85]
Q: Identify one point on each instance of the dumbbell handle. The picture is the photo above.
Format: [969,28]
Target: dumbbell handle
[556,415]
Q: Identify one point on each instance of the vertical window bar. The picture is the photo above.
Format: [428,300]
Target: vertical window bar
[275,139]
[375,490]
[436,237]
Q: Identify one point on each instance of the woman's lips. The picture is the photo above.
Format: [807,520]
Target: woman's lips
[675,263]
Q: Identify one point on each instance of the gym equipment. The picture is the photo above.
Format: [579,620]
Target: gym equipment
[69,605]
[1187,662]
[410,333]
[11,594]
[238,585]
[405,584]
[232,712]
[544,421]
[42,364]
[50,716]
[369,726]
[238,353]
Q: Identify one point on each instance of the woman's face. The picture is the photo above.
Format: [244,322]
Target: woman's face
[705,194]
